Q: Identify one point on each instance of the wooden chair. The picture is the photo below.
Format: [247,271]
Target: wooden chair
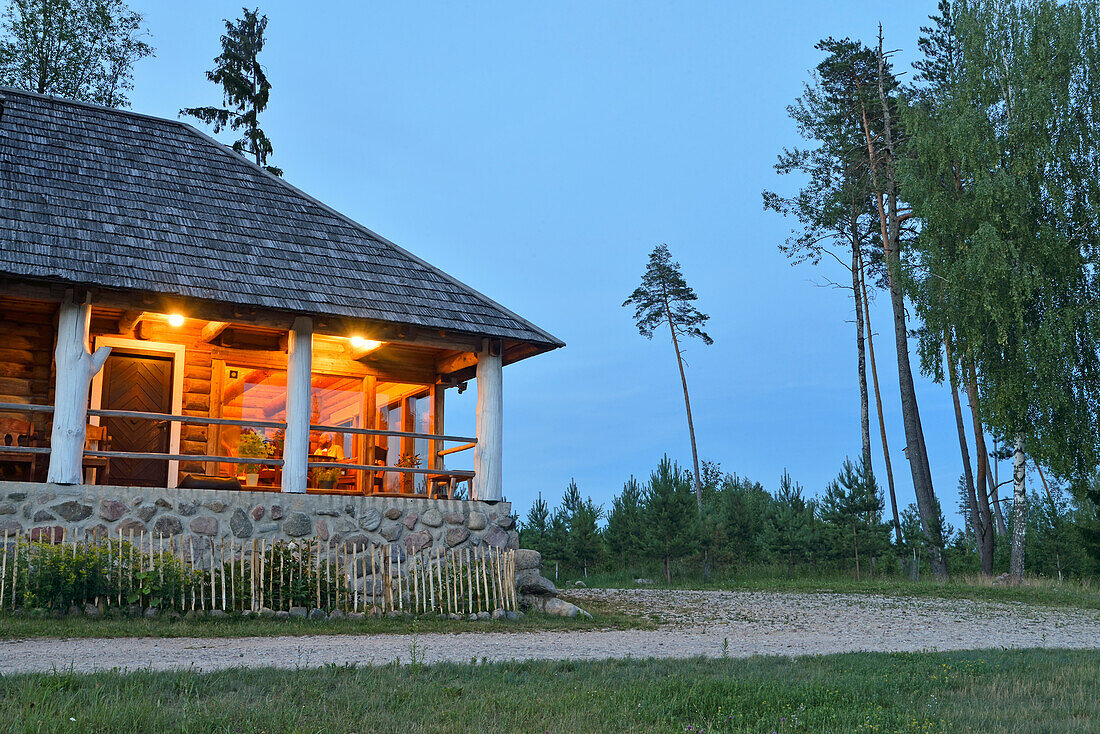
[376,480]
[96,439]
[18,432]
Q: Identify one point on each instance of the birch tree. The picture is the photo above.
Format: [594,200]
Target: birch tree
[1000,170]
[77,49]
[665,299]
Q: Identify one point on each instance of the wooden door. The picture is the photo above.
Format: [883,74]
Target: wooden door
[144,384]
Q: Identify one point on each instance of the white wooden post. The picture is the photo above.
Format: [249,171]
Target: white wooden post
[488,454]
[75,368]
[299,405]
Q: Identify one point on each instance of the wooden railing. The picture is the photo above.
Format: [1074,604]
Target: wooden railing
[469,443]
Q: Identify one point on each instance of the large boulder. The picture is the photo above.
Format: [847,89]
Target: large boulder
[531,581]
[560,608]
[527,559]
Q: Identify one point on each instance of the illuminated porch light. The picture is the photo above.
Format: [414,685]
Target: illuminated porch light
[367,345]
[175,320]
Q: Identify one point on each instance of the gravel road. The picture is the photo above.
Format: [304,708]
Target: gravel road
[690,624]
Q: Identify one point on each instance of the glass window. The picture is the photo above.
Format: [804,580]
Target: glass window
[404,407]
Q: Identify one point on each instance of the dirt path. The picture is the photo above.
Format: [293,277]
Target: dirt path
[692,623]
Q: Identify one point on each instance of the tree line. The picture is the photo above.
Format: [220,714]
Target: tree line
[968,197]
[655,527]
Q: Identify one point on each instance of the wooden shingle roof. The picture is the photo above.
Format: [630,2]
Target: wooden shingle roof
[111,198]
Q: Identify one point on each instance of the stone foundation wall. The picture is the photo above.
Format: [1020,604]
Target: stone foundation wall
[410,525]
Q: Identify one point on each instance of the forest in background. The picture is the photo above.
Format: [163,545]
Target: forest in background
[968,197]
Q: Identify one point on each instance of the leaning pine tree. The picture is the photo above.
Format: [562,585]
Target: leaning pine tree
[245,88]
[664,297]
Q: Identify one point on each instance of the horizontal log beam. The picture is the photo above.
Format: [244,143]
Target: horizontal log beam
[213,330]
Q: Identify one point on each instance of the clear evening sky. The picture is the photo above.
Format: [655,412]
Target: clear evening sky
[538,152]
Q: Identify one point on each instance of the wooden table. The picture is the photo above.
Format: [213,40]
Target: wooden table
[448,479]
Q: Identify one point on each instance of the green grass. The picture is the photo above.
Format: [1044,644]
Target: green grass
[605,616]
[1039,591]
[987,691]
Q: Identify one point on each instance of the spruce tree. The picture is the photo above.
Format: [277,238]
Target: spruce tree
[245,88]
[851,513]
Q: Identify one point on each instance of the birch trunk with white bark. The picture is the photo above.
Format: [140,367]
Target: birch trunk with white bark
[1019,512]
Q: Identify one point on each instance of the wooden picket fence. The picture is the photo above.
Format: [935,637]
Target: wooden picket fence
[229,574]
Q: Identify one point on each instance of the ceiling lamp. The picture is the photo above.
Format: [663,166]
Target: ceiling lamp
[175,320]
[364,345]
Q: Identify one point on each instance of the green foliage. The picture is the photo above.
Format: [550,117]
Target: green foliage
[77,49]
[790,532]
[851,517]
[59,576]
[584,535]
[664,297]
[245,88]
[670,514]
[999,169]
[534,531]
[625,534]
[251,445]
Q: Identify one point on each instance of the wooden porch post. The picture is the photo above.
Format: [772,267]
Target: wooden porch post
[298,405]
[488,479]
[75,368]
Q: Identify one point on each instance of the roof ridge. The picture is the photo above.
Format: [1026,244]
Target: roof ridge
[87,105]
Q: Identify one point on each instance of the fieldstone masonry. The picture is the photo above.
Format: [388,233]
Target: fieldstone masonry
[410,524]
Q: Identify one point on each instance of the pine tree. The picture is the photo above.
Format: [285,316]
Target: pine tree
[851,511]
[790,532]
[535,529]
[584,535]
[671,520]
[245,88]
[744,506]
[665,298]
[624,535]
[77,49]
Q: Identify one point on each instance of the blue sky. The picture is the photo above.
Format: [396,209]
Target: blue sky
[538,152]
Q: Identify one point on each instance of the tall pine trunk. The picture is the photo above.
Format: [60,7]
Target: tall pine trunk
[861,364]
[878,405]
[914,433]
[687,405]
[984,514]
[1019,512]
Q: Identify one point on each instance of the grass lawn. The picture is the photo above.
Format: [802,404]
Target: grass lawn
[1041,591]
[987,691]
[605,616]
